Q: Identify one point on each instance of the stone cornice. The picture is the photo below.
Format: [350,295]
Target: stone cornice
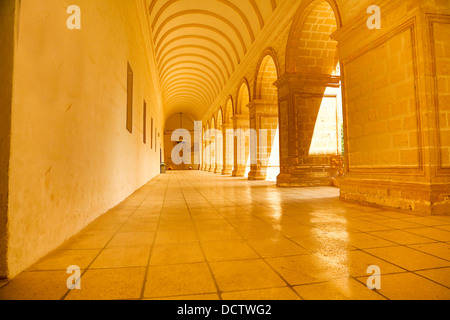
[322,79]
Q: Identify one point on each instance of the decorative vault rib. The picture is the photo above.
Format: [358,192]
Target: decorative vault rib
[199,44]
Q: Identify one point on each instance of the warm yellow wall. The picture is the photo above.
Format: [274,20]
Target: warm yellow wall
[72,158]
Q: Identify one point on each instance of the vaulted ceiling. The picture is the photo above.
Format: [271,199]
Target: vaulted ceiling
[199,44]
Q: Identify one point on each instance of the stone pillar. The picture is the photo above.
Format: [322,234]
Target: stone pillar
[264,123]
[228,149]
[397,108]
[300,98]
[219,151]
[241,144]
[208,151]
[212,152]
[203,166]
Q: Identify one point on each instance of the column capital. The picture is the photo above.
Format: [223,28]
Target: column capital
[292,80]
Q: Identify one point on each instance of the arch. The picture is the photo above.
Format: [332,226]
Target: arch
[193,47]
[225,2]
[169,68]
[219,142]
[211,39]
[219,119]
[212,122]
[267,73]
[312,62]
[202,26]
[189,80]
[201,74]
[229,110]
[300,57]
[243,98]
[205,13]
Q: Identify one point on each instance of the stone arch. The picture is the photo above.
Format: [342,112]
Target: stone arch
[229,111]
[243,98]
[269,56]
[219,118]
[219,141]
[311,106]
[263,114]
[310,48]
[228,139]
[241,125]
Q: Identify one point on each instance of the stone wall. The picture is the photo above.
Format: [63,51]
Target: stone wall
[72,157]
[7,39]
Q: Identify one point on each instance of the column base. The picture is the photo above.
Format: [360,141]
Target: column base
[257,174]
[425,199]
[218,170]
[227,171]
[239,171]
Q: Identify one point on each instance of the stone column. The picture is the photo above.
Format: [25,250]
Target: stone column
[219,151]
[208,152]
[228,148]
[300,98]
[264,123]
[241,144]
[203,166]
[212,152]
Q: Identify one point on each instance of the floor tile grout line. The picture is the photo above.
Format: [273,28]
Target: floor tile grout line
[410,271]
[279,275]
[312,253]
[408,245]
[105,247]
[418,274]
[147,268]
[259,201]
[264,258]
[373,290]
[287,238]
[406,230]
[367,232]
[219,291]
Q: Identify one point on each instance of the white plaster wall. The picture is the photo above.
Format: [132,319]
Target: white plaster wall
[72,158]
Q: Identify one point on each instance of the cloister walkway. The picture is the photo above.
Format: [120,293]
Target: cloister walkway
[195,235]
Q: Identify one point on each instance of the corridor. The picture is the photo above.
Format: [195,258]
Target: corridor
[190,235]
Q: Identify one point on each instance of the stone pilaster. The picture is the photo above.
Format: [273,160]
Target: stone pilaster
[228,149]
[241,144]
[264,123]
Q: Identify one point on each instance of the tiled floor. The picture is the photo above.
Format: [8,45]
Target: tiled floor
[195,235]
